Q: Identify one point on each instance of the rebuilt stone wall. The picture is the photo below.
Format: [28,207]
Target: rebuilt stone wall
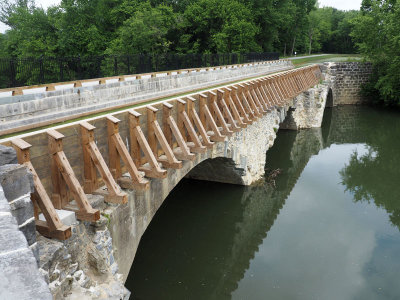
[44,107]
[346,79]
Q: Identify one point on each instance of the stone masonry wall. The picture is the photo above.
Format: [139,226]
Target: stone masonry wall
[346,80]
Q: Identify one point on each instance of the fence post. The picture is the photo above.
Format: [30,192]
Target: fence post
[61,70]
[13,73]
[115,65]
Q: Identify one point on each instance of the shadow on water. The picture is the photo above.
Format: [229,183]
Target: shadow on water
[203,238]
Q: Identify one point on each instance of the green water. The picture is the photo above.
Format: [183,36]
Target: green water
[327,227]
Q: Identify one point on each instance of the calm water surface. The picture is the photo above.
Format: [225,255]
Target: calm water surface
[327,227]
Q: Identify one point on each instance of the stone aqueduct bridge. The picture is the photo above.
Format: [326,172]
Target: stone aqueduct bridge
[114,172]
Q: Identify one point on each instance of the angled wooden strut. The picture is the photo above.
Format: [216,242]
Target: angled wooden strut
[231,104]
[242,112]
[246,105]
[155,134]
[52,227]
[217,114]
[63,175]
[256,111]
[208,121]
[139,143]
[260,96]
[92,159]
[195,119]
[117,151]
[184,123]
[171,130]
[221,95]
[253,98]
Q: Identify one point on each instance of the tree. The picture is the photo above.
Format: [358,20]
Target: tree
[145,32]
[377,34]
[218,26]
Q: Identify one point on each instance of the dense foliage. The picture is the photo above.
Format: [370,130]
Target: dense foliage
[96,27]
[377,33]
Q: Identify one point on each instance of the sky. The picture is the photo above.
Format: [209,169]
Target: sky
[339,4]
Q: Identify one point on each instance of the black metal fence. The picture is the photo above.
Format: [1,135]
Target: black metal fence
[31,71]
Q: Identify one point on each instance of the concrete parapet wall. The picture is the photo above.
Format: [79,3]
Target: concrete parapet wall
[48,107]
[346,79]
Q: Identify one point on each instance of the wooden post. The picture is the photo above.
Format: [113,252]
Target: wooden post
[235,112]
[118,151]
[139,142]
[155,134]
[194,117]
[85,210]
[217,115]
[221,101]
[184,122]
[114,193]
[252,101]
[52,227]
[239,105]
[183,152]
[246,105]
[208,120]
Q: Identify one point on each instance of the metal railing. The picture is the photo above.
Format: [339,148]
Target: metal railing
[15,72]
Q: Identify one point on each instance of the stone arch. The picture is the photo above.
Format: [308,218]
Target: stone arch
[220,169]
[329,99]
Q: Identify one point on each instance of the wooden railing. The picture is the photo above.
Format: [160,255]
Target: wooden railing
[142,143]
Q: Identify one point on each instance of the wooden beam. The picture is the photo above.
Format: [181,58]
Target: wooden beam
[117,148]
[217,115]
[85,212]
[194,117]
[155,134]
[183,153]
[153,170]
[53,227]
[114,193]
[197,146]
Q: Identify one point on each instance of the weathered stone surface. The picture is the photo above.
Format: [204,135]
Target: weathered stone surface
[19,275]
[7,155]
[345,80]
[29,230]
[16,181]
[20,278]
[22,209]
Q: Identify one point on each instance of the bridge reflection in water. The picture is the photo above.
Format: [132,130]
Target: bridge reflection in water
[211,236]
[201,247]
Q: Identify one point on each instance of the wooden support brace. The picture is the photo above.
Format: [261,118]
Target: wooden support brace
[139,143]
[208,120]
[253,100]
[52,227]
[194,117]
[221,100]
[183,119]
[118,151]
[218,115]
[155,134]
[85,210]
[239,105]
[235,112]
[114,193]
[246,105]
[183,153]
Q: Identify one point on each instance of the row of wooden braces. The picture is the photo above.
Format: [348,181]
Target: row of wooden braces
[221,113]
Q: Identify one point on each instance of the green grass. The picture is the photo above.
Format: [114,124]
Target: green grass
[325,58]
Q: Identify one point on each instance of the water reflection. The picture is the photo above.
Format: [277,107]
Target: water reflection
[313,235]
